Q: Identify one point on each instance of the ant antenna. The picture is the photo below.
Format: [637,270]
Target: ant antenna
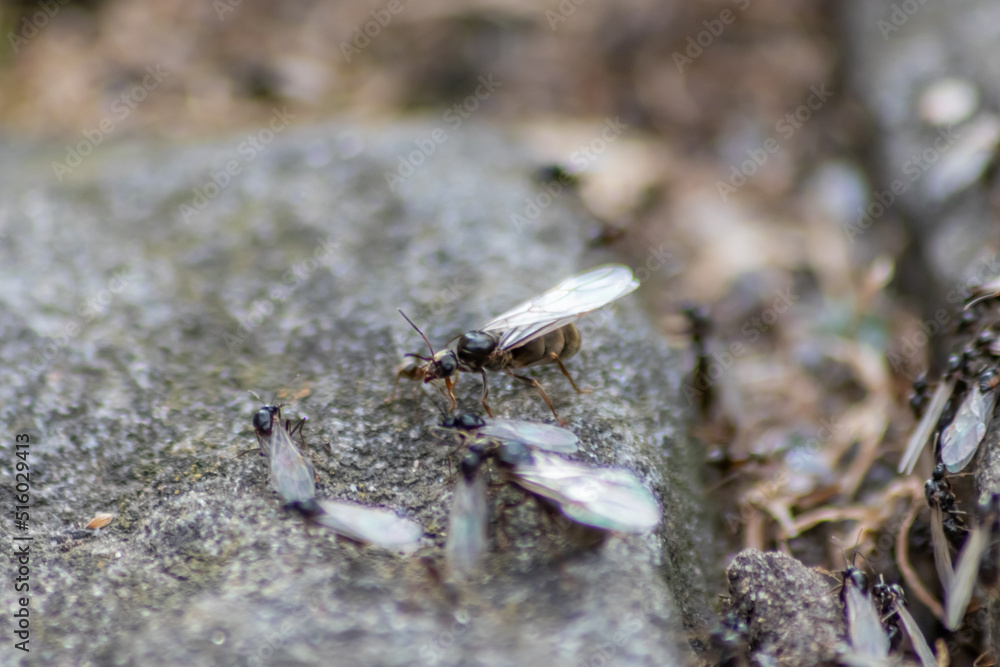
[431,347]
[267,404]
[850,563]
[277,391]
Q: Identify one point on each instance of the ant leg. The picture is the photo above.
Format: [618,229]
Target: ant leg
[451,454]
[534,383]
[449,383]
[299,427]
[395,385]
[486,393]
[562,367]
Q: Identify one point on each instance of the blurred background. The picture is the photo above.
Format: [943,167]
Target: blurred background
[753,146]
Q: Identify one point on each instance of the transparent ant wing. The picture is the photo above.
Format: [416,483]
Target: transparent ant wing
[561,305]
[960,440]
[603,498]
[369,524]
[942,550]
[468,520]
[292,476]
[917,640]
[965,576]
[926,426]
[534,434]
[540,436]
[864,627]
[971,561]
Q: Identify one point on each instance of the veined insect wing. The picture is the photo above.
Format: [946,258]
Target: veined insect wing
[940,499]
[942,552]
[369,524]
[292,475]
[540,436]
[469,517]
[537,435]
[960,440]
[864,628]
[561,305]
[977,543]
[921,434]
[602,498]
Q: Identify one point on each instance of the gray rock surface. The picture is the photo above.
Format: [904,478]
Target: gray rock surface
[130,337]
[792,613]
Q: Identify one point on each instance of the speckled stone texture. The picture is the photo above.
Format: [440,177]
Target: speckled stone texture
[130,337]
[792,613]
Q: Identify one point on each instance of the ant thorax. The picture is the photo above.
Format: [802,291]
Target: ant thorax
[475,348]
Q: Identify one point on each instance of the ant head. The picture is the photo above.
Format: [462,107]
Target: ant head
[265,415]
[444,364]
[468,422]
[461,421]
[850,566]
[264,418]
